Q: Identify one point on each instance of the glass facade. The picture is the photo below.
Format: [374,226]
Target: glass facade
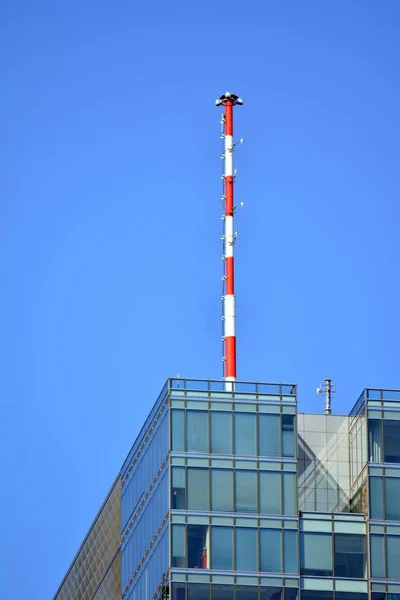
[235,495]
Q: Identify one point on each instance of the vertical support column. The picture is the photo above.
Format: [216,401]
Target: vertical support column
[229,314]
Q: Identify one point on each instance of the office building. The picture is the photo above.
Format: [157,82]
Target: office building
[235,495]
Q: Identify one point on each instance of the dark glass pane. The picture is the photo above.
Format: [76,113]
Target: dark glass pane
[393,556]
[178,430]
[391,437]
[392,496]
[197,489]
[245,491]
[222,548]
[270,493]
[288,447]
[178,546]
[316,554]
[198,547]
[291,594]
[271,593]
[268,435]
[375,498]
[350,596]
[198,591]
[221,592]
[178,591]
[246,549]
[377,554]
[222,490]
[221,432]
[245,434]
[196,431]
[290,561]
[308,595]
[375,440]
[271,550]
[350,556]
[289,493]
[178,488]
[246,592]
[379,596]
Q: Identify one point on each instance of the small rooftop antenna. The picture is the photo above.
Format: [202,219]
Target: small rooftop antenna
[329,389]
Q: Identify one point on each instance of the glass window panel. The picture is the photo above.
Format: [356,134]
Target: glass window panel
[198,550]
[392,495]
[196,431]
[246,549]
[377,554]
[197,489]
[178,592]
[379,596]
[178,430]
[290,594]
[197,591]
[178,488]
[268,435]
[248,592]
[178,546]
[393,557]
[311,595]
[290,561]
[288,448]
[350,596]
[221,432]
[245,491]
[375,440]
[222,592]
[350,556]
[245,434]
[271,550]
[316,554]
[270,493]
[376,497]
[272,593]
[391,437]
[222,548]
[222,490]
[289,493]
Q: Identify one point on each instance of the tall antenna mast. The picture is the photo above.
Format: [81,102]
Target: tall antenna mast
[229,100]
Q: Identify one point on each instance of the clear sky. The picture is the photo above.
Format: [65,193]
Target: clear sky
[110,231]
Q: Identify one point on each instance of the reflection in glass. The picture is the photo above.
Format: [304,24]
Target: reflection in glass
[375,498]
[245,434]
[271,550]
[221,432]
[178,546]
[391,437]
[246,592]
[222,548]
[290,562]
[289,493]
[393,556]
[377,554]
[221,592]
[178,488]
[246,549]
[177,431]
[198,546]
[350,556]
[268,435]
[288,446]
[270,493]
[196,431]
[197,489]
[375,440]
[274,593]
[245,491]
[316,554]
[392,495]
[222,490]
[311,595]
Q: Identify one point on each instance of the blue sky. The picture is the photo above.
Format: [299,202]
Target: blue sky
[110,245]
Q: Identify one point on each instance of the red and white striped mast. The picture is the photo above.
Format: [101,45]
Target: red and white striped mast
[229,100]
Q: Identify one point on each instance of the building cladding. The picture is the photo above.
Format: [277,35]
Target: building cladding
[234,495]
